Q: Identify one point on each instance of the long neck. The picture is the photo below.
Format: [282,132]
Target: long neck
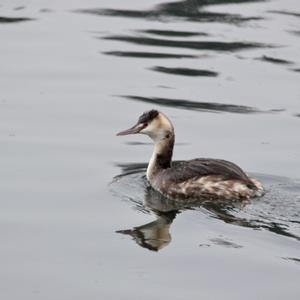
[161,156]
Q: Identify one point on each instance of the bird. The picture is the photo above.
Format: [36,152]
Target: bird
[199,178]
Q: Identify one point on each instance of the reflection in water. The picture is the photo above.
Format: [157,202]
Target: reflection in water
[265,213]
[192,10]
[185,71]
[19,8]
[189,10]
[155,235]
[174,33]
[296,32]
[288,13]
[13,19]
[198,106]
[225,243]
[294,259]
[275,60]
[136,54]
[197,45]
[131,168]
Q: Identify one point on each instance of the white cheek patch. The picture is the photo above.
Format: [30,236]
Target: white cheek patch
[151,127]
[147,129]
[140,126]
[154,132]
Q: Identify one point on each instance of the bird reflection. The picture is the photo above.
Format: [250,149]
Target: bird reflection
[156,234]
[131,185]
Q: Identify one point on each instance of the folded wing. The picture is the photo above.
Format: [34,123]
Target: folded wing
[196,168]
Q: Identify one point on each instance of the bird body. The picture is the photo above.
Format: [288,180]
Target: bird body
[201,178]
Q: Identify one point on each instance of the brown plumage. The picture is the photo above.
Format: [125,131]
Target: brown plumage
[201,178]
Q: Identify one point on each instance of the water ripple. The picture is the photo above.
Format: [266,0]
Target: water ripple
[155,55]
[265,213]
[198,106]
[287,13]
[185,71]
[188,10]
[197,45]
[275,60]
[14,19]
[172,33]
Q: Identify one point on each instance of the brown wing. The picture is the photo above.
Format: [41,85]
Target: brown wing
[196,168]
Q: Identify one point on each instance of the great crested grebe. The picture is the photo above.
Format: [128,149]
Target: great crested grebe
[200,178]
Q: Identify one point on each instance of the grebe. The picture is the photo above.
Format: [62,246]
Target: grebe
[200,178]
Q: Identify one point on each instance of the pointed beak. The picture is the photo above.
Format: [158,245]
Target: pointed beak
[133,130]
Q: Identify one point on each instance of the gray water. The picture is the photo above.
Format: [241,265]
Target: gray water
[77,218]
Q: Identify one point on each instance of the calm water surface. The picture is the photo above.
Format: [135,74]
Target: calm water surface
[77,218]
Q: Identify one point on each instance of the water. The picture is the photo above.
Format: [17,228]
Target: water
[77,218]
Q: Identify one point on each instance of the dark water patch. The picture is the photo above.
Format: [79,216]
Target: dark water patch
[173,33]
[297,115]
[296,70]
[19,8]
[46,10]
[204,245]
[275,60]
[293,259]
[225,243]
[185,71]
[165,87]
[288,13]
[189,10]
[137,144]
[277,228]
[296,32]
[276,110]
[14,19]
[197,106]
[131,168]
[198,45]
[223,2]
[155,55]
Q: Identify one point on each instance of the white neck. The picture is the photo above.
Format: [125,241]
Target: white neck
[161,156]
[152,163]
